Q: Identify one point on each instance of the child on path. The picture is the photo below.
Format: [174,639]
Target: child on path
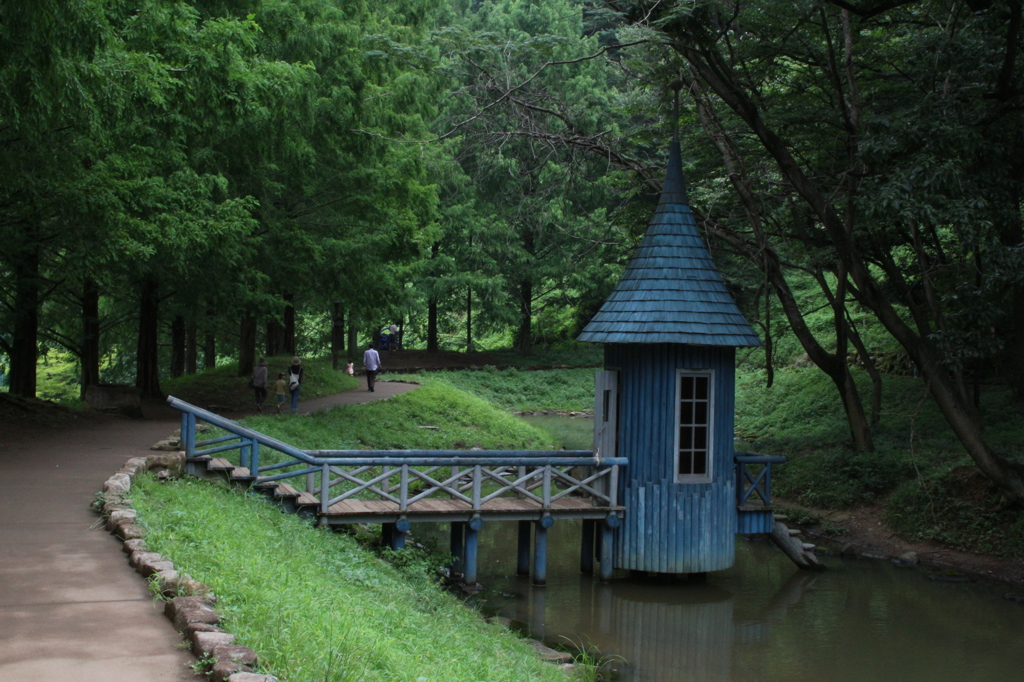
[281,391]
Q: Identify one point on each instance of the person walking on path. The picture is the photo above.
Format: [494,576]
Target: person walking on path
[295,377]
[371,361]
[281,391]
[259,383]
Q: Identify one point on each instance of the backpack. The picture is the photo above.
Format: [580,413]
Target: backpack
[293,380]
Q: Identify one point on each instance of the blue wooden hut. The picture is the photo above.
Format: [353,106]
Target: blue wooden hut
[665,397]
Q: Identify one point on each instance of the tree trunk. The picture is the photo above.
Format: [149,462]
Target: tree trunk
[353,332]
[289,325]
[90,334]
[210,341]
[275,338]
[337,335]
[469,320]
[177,346]
[525,341]
[432,325]
[147,371]
[25,337]
[247,345]
[191,354]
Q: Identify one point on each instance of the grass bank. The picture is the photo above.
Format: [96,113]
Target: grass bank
[927,486]
[561,390]
[221,387]
[317,606]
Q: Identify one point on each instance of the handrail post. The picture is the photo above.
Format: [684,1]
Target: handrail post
[403,494]
[254,458]
[243,453]
[477,481]
[190,438]
[325,487]
[767,484]
[613,483]
[547,486]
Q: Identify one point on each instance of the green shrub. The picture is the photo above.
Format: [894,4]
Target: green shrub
[958,507]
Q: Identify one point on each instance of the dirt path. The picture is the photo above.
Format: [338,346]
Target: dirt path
[71,608]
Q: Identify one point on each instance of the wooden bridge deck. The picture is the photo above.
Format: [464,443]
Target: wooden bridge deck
[504,509]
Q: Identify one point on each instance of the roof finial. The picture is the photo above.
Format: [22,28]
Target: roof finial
[674,189]
[676,85]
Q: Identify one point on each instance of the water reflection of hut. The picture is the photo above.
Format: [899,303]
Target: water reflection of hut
[665,631]
[665,397]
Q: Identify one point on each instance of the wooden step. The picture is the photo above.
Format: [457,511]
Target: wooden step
[241,472]
[219,464]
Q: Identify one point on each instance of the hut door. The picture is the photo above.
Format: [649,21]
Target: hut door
[606,412]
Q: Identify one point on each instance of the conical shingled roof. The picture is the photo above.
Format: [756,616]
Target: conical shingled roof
[671,291]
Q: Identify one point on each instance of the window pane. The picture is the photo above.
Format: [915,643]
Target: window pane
[685,437]
[685,463]
[686,392]
[685,413]
[700,413]
[700,462]
[700,437]
[702,388]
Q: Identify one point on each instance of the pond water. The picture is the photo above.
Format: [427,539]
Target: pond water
[763,619]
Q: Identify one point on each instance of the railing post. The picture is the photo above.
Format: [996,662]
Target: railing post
[386,483]
[768,484]
[254,459]
[243,453]
[190,438]
[325,487]
[311,482]
[522,472]
[613,483]
[183,433]
[403,493]
[455,481]
[477,481]
[547,486]
[739,484]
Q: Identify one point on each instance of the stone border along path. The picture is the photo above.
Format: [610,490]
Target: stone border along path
[70,607]
[190,604]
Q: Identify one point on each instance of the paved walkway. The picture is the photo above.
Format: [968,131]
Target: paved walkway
[71,608]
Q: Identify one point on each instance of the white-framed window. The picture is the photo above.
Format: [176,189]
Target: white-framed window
[694,425]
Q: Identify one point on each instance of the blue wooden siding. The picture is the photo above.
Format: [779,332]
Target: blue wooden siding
[672,527]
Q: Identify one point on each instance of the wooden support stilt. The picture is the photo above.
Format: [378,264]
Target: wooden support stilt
[472,541]
[587,548]
[457,546]
[402,527]
[523,549]
[540,556]
[606,553]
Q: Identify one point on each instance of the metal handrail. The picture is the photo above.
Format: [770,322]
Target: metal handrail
[761,484]
[548,466]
